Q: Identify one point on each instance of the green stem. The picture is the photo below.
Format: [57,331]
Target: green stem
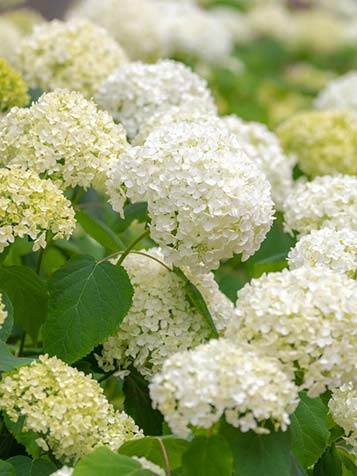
[39,260]
[166,458]
[106,376]
[132,246]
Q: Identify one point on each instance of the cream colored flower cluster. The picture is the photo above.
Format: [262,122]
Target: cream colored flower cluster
[343,408]
[325,202]
[206,199]
[307,318]
[3,312]
[65,407]
[135,91]
[339,94]
[264,148]
[63,136]
[323,142]
[152,29]
[31,206]
[76,55]
[161,320]
[336,250]
[196,388]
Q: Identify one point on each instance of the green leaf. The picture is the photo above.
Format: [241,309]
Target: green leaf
[88,301]
[348,462]
[329,464]
[150,448]
[7,326]
[256,454]
[25,466]
[6,469]
[196,299]
[103,462]
[26,438]
[8,361]
[100,232]
[309,430]
[28,295]
[208,457]
[138,405]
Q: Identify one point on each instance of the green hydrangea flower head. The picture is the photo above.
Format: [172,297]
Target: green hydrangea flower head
[323,142]
[13,89]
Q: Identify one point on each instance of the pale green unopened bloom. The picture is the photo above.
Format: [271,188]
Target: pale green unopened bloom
[13,89]
[32,207]
[65,408]
[323,142]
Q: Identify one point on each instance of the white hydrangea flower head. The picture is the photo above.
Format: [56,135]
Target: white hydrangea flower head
[31,206]
[325,202]
[343,408]
[264,148]
[206,199]
[63,136]
[77,55]
[161,320]
[339,94]
[65,407]
[146,464]
[336,250]
[138,25]
[197,387]
[10,37]
[136,91]
[301,317]
[3,312]
[64,471]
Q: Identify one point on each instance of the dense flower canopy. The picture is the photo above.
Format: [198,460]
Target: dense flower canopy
[63,136]
[195,388]
[32,207]
[136,91]
[326,247]
[161,320]
[301,317]
[323,142]
[206,198]
[76,55]
[66,409]
[13,89]
[328,201]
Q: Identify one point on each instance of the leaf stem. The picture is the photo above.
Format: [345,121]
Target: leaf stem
[39,260]
[106,376]
[22,344]
[166,458]
[132,246]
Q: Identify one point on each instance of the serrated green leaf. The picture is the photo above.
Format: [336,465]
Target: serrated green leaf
[196,299]
[28,295]
[100,232]
[150,448]
[6,469]
[7,326]
[88,301]
[8,361]
[309,430]
[25,466]
[103,462]
[255,454]
[26,438]
[208,457]
[22,465]
[138,405]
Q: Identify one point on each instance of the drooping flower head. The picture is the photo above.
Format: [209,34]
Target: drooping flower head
[335,249]
[329,201]
[76,55]
[323,142]
[161,320]
[63,136]
[32,207]
[339,94]
[136,91]
[13,89]
[301,317]
[206,199]
[197,387]
[65,408]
